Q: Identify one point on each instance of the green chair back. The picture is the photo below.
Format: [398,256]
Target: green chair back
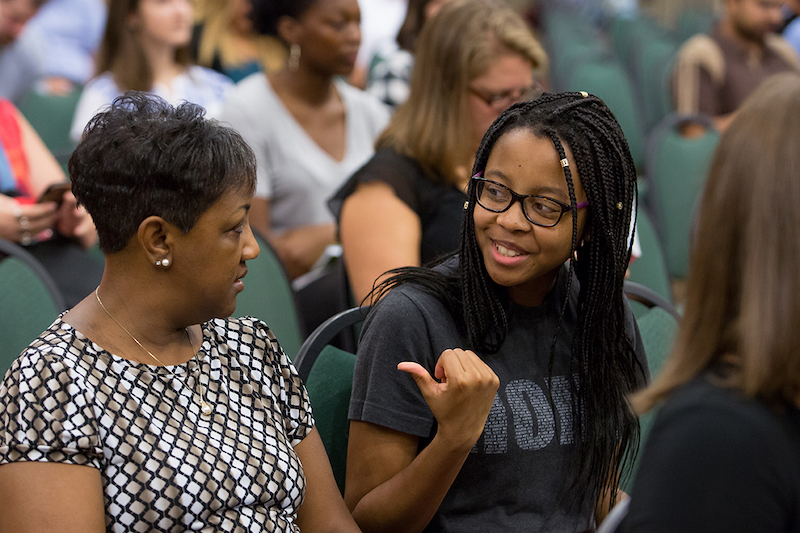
[329,386]
[653,71]
[650,269]
[658,329]
[676,169]
[268,296]
[29,302]
[328,374]
[610,82]
[51,117]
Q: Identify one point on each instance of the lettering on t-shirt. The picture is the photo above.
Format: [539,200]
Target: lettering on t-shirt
[533,423]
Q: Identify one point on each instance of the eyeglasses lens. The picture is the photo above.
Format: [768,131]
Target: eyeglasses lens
[498,198]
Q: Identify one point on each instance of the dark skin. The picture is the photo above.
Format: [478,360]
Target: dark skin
[160,306]
[328,35]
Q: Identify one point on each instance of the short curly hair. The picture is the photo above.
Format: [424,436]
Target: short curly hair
[144,157]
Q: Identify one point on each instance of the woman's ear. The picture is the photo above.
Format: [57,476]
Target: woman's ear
[156,237]
[289,30]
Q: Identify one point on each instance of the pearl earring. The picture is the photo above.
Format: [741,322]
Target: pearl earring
[162,262]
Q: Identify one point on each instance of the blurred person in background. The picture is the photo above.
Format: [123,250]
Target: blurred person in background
[23,55]
[309,129]
[390,70]
[225,41]
[723,453]
[715,73]
[55,231]
[71,31]
[146,48]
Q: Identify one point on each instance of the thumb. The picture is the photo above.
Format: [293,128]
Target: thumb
[423,378]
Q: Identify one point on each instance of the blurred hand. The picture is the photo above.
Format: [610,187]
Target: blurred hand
[22,222]
[74,222]
[462,398]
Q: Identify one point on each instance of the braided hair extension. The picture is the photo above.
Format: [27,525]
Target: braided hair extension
[603,354]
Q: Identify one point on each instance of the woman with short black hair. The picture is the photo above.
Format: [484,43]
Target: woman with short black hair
[144,408]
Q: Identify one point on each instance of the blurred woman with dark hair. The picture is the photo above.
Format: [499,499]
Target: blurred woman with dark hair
[145,408]
[309,129]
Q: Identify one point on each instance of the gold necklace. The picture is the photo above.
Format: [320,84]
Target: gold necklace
[205,407]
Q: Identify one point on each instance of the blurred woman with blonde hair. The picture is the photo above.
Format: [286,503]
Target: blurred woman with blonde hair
[225,41]
[403,208]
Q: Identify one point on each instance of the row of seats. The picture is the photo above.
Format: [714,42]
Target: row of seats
[628,64]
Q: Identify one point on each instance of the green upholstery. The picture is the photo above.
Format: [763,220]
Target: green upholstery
[650,269]
[610,82]
[694,21]
[268,296]
[653,70]
[27,307]
[658,329]
[570,38]
[51,117]
[329,385]
[677,168]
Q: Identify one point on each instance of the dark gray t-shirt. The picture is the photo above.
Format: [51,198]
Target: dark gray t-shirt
[514,478]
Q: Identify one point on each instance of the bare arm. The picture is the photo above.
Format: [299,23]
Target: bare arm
[299,248]
[323,509]
[391,488]
[51,497]
[71,221]
[379,232]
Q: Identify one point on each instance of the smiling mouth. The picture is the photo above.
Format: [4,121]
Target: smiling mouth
[507,252]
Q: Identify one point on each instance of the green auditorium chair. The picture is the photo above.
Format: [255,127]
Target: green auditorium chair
[29,301]
[650,269]
[51,117]
[676,170]
[658,328]
[608,80]
[328,375]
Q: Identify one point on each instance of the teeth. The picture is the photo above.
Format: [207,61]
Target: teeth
[505,252]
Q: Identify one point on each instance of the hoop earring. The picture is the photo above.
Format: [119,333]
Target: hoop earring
[294,58]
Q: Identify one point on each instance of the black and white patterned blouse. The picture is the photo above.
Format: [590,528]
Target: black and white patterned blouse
[165,466]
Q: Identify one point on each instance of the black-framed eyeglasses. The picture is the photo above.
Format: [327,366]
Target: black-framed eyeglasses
[501,101]
[539,210]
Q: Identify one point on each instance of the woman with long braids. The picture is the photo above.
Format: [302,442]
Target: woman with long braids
[526,425]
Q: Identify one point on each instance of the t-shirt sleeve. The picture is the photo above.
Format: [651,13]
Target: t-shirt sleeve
[237,111]
[46,413]
[710,469]
[388,167]
[394,331]
[285,384]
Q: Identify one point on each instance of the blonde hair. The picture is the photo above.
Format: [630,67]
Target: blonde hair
[217,17]
[742,305]
[121,52]
[455,47]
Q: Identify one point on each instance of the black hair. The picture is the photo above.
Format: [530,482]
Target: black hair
[144,157]
[267,13]
[602,354]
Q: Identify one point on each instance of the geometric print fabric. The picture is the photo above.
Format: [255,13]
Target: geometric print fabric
[164,466]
